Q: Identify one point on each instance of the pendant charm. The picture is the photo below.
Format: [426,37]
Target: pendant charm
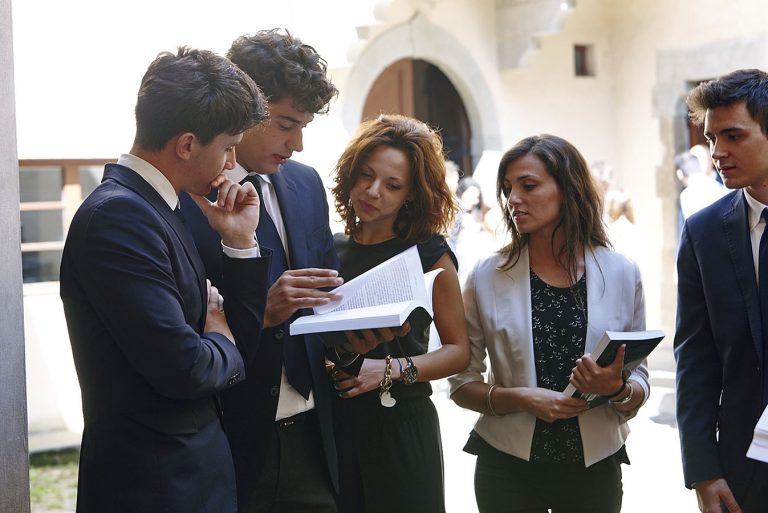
[387,400]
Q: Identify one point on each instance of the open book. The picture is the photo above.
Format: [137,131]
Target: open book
[639,346]
[381,297]
[758,449]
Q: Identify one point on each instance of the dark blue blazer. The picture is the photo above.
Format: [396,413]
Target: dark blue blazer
[718,345]
[134,295]
[250,407]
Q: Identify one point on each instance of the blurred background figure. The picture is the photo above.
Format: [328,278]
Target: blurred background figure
[618,207]
[452,175]
[475,237]
[696,174]
[618,214]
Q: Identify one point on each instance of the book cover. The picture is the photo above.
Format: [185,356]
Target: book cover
[639,345]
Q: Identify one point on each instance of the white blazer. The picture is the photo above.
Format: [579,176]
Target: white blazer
[498,310]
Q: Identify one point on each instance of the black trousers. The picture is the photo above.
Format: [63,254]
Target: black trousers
[756,498]
[295,477]
[506,484]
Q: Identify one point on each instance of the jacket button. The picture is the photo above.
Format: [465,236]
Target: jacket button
[274,391]
[279,335]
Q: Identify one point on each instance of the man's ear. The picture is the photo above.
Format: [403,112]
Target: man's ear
[184,145]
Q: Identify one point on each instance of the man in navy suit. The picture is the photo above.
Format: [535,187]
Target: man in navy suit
[721,341]
[151,342]
[279,421]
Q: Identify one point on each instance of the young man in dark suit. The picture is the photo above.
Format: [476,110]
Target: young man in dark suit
[279,421]
[151,342]
[721,341]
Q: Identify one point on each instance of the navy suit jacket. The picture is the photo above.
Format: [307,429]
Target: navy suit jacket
[250,407]
[134,295]
[718,345]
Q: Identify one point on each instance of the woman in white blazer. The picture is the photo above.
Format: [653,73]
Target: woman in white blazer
[536,309]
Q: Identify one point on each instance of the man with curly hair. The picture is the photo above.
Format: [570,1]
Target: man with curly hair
[279,421]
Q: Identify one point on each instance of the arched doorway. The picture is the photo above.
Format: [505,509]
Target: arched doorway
[417,88]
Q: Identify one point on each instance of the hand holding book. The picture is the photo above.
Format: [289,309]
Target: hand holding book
[382,297]
[366,340]
[591,378]
[635,346]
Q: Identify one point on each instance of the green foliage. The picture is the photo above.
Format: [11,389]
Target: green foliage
[53,480]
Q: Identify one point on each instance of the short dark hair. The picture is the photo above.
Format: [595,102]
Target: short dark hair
[284,67]
[745,85]
[582,209]
[195,91]
[432,207]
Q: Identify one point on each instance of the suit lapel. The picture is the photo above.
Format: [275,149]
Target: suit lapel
[130,179]
[290,209]
[735,226]
[513,309]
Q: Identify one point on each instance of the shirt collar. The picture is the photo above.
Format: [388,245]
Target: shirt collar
[152,176]
[238,173]
[755,210]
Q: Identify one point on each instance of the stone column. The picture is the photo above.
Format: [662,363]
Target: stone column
[14,454]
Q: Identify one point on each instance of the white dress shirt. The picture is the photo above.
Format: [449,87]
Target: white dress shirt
[756,229]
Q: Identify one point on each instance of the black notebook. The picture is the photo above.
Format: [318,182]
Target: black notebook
[639,346]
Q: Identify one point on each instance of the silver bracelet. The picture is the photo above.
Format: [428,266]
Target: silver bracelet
[341,359]
[489,401]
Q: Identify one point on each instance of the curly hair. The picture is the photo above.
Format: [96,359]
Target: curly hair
[195,91]
[581,213]
[745,85]
[283,67]
[432,207]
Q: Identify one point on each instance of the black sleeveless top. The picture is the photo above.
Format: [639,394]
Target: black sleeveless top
[355,259]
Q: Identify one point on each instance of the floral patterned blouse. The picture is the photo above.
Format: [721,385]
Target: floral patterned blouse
[559,333]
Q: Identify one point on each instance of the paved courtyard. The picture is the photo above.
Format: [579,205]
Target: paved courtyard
[653,482]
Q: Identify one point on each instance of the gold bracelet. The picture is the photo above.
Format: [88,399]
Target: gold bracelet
[488,400]
[384,396]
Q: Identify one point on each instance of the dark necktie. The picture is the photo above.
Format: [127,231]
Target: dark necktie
[294,351]
[762,288]
[187,234]
[177,212]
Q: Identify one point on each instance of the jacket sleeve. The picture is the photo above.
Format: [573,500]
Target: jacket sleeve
[637,323]
[245,283]
[477,345]
[699,378]
[141,286]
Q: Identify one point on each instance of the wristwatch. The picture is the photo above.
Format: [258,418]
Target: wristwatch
[408,374]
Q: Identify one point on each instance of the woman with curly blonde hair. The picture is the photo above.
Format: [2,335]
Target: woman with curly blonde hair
[392,194]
